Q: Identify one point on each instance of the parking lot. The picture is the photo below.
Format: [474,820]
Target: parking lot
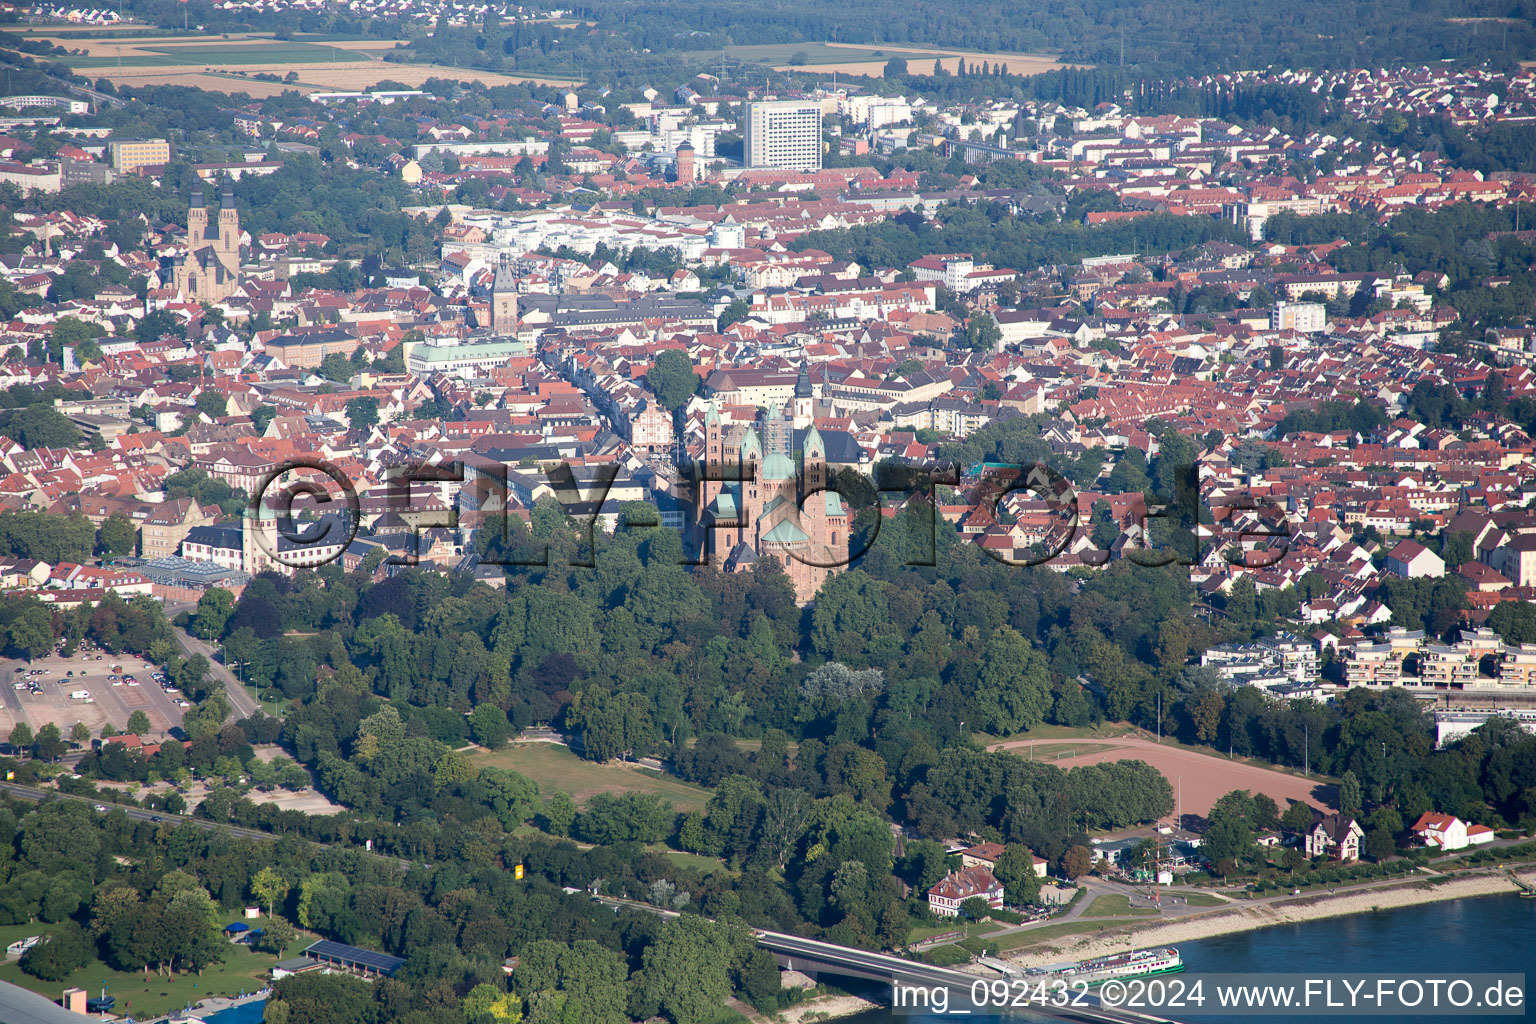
[107,703]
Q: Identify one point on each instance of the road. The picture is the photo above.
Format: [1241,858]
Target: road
[138,814]
[916,983]
[241,703]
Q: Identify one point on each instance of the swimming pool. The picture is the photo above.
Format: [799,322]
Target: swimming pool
[245,1013]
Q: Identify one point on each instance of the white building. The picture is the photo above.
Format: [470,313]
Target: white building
[782,133]
[1306,317]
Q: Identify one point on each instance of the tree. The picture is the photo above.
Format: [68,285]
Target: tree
[214,608]
[1229,838]
[138,723]
[975,908]
[363,412]
[80,734]
[1016,870]
[739,309]
[982,333]
[212,404]
[1378,844]
[687,969]
[39,426]
[276,936]
[269,888]
[895,69]
[58,954]
[320,999]
[559,813]
[1076,861]
[31,632]
[1349,793]
[488,726]
[1298,817]
[671,376]
[21,735]
[49,745]
[117,536]
[487,1000]
[336,368]
[262,417]
[158,323]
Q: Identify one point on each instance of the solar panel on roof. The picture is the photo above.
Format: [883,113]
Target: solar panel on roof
[354,955]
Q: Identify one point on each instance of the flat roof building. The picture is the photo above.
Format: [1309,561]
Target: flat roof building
[782,133]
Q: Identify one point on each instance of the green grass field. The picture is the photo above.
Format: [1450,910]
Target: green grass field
[556,768]
[273,51]
[1115,905]
[695,862]
[1200,899]
[241,971]
[1035,936]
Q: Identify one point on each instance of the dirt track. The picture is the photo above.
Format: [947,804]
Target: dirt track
[1198,779]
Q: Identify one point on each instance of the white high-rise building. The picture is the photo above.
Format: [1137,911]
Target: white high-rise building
[782,133]
[1303,317]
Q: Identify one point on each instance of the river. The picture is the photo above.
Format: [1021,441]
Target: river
[1480,934]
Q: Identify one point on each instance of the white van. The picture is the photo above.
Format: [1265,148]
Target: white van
[80,695]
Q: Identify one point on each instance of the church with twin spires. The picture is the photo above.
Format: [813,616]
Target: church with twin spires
[774,509]
[210,271]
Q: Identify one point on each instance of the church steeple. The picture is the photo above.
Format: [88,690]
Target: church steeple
[197,218]
[804,413]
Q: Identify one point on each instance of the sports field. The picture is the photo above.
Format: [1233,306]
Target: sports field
[1198,778]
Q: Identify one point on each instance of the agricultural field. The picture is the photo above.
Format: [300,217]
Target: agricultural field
[229,63]
[555,768]
[870,60]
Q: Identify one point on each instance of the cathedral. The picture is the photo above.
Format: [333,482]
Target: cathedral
[774,510]
[210,271]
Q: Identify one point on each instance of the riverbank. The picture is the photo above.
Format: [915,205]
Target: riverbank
[1119,936]
[824,1007]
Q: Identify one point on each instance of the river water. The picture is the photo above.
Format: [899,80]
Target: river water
[1481,934]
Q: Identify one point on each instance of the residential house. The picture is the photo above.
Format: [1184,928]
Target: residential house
[977,882]
[1335,835]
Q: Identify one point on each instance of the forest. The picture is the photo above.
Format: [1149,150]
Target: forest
[138,896]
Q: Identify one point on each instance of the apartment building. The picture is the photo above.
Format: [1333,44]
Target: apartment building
[1305,317]
[128,155]
[782,133]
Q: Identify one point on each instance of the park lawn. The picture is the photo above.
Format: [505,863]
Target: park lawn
[970,928]
[1201,899]
[242,971]
[694,861]
[1115,905]
[1035,936]
[554,768]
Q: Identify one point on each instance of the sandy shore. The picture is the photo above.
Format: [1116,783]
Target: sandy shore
[824,1008]
[1246,918]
